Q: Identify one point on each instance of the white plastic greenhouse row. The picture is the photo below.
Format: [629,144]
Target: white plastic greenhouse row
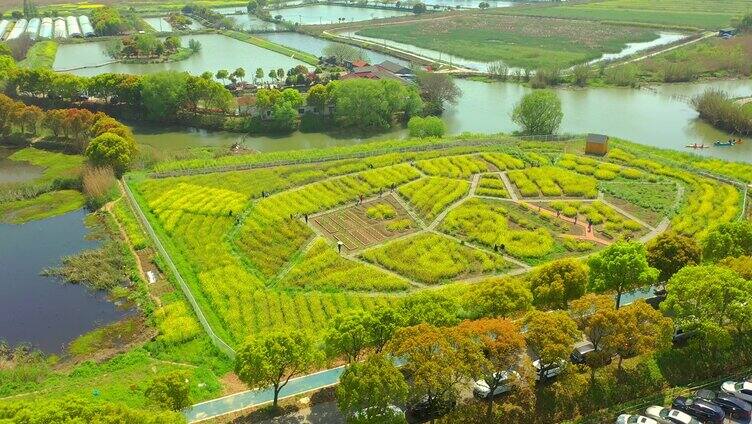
[47,28]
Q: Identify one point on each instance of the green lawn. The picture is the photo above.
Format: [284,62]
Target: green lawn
[40,56]
[57,165]
[710,14]
[519,41]
[43,206]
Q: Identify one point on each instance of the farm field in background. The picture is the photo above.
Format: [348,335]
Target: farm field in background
[407,220]
[712,14]
[518,41]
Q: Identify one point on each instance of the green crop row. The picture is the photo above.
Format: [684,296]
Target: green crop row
[323,268]
[488,223]
[452,166]
[601,215]
[432,195]
[503,161]
[552,181]
[433,259]
[130,225]
[492,186]
[381,211]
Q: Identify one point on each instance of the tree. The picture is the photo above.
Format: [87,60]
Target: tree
[318,97]
[670,252]
[599,328]
[343,53]
[742,265]
[369,388]
[31,117]
[437,90]
[555,284]
[170,391]
[239,74]
[437,359]
[582,309]
[272,74]
[621,267]
[348,335]
[484,5]
[431,126]
[706,294]
[419,8]
[222,74]
[372,104]
[728,240]
[502,344]
[551,335]
[163,93]
[381,325]
[639,328]
[194,45]
[259,75]
[273,358]
[112,150]
[252,6]
[280,73]
[581,74]
[501,297]
[430,307]
[538,113]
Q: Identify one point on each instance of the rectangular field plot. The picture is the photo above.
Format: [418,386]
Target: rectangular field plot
[452,166]
[431,195]
[605,220]
[491,185]
[550,181]
[370,223]
[433,259]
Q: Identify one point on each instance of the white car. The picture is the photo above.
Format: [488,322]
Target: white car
[482,390]
[669,416]
[742,390]
[391,411]
[634,419]
[549,371]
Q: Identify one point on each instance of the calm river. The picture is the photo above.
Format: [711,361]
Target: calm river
[660,118]
[37,309]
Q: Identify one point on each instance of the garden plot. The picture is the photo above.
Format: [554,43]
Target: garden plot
[431,195]
[434,259]
[372,222]
[452,166]
[491,185]
[551,181]
[605,220]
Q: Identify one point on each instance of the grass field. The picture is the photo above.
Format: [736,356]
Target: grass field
[518,41]
[242,242]
[711,14]
[40,56]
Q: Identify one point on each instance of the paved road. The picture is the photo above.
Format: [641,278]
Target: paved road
[238,401]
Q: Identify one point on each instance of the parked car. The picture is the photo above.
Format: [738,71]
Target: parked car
[731,405]
[669,416]
[547,371]
[700,409]
[580,352]
[681,337]
[742,390]
[427,408]
[634,419]
[482,390]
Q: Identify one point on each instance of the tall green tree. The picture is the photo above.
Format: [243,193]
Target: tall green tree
[555,284]
[367,389]
[639,328]
[170,391]
[348,335]
[706,294]
[502,297]
[430,307]
[437,90]
[551,335]
[728,240]
[538,113]
[670,252]
[112,150]
[273,358]
[382,324]
[621,267]
[164,93]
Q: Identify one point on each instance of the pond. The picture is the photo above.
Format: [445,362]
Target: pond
[40,310]
[660,117]
[12,171]
[321,14]
[663,38]
[161,25]
[245,20]
[316,46]
[217,52]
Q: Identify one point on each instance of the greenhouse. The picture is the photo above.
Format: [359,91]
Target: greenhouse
[18,29]
[33,28]
[73,29]
[45,30]
[4,24]
[60,30]
[86,28]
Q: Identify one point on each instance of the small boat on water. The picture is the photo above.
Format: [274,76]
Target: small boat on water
[728,143]
[696,146]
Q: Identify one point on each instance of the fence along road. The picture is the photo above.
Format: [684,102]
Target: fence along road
[218,342]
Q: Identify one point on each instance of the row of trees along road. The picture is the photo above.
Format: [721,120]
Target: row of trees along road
[444,341]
